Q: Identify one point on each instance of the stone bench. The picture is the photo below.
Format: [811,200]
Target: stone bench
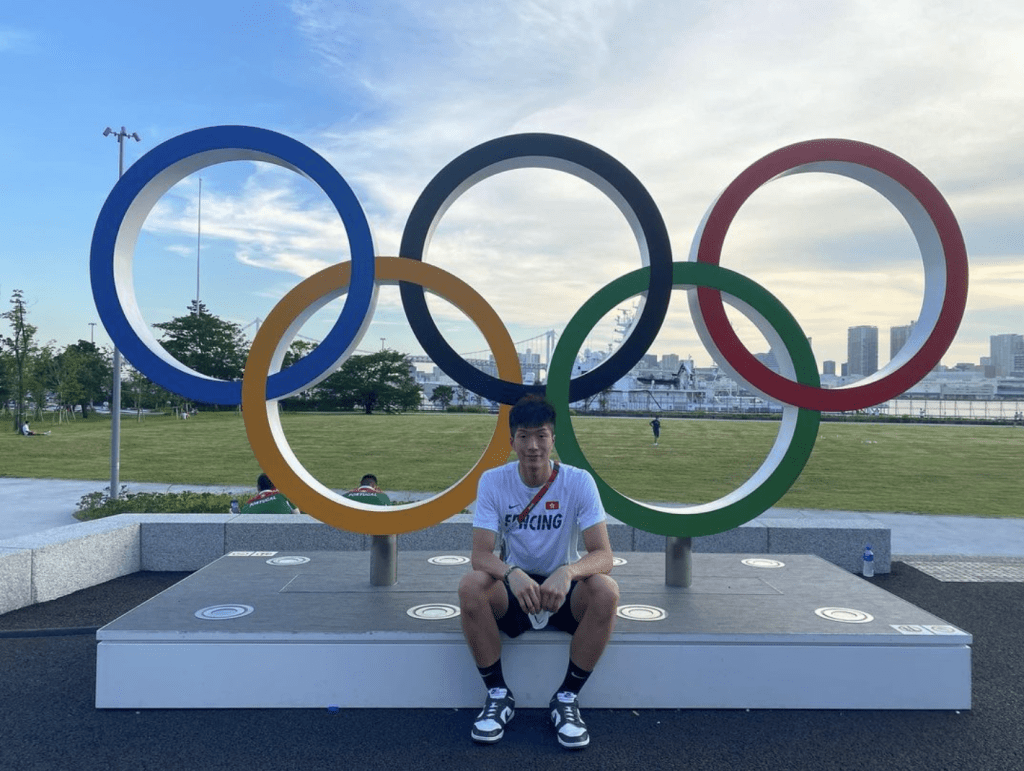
[53,563]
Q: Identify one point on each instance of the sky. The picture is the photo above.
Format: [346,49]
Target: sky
[685,95]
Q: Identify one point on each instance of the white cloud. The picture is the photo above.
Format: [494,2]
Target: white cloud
[270,222]
[15,39]
[685,95]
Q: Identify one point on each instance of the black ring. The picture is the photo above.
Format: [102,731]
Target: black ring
[561,153]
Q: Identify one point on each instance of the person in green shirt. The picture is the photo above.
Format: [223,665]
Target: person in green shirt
[368,492]
[268,500]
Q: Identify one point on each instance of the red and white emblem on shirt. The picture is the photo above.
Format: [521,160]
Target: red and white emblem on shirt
[551,505]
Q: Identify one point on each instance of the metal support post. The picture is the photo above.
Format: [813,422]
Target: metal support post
[383,560]
[678,561]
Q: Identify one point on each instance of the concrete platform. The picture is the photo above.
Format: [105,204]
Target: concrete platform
[785,631]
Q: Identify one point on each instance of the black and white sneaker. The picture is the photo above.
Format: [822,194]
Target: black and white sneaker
[565,716]
[498,711]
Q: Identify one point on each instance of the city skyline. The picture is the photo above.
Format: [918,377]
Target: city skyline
[390,104]
[1012,346]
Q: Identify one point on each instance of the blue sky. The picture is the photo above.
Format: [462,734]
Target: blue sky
[686,95]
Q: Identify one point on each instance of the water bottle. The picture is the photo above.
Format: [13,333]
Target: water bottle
[234,507]
[868,565]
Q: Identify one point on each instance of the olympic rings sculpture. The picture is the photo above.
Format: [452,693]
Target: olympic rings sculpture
[264,383]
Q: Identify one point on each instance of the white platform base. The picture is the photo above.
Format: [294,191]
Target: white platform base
[262,675]
[729,642]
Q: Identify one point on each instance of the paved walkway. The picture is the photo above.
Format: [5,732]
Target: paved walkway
[32,505]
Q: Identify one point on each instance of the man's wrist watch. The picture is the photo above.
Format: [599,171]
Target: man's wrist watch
[508,572]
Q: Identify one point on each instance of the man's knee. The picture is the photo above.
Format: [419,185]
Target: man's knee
[602,594]
[474,590]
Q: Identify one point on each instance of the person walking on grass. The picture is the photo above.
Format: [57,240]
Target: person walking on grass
[532,511]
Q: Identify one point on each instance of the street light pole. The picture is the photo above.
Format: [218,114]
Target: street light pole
[115,398]
[92,332]
[199,239]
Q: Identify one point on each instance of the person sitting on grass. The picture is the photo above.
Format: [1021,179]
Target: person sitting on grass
[26,431]
[268,500]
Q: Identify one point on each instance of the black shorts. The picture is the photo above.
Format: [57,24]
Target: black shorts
[516,620]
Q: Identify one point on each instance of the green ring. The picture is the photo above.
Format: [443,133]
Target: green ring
[792,447]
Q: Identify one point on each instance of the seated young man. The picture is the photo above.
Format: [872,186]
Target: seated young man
[368,492]
[268,500]
[535,510]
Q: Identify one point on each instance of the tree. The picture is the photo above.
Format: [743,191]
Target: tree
[304,400]
[206,343]
[57,376]
[381,380]
[443,395]
[19,347]
[296,351]
[144,393]
[94,373]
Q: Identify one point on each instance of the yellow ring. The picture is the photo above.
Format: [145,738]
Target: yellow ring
[263,420]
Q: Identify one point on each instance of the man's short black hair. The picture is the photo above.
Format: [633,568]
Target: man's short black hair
[263,483]
[531,412]
[368,479]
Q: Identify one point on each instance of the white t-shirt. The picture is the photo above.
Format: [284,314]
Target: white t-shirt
[549,537]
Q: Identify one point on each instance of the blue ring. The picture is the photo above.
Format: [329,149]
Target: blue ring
[539,151]
[220,144]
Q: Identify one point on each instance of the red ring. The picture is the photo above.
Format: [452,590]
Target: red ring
[895,168]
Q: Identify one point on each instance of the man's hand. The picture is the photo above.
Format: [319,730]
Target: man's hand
[554,589]
[525,590]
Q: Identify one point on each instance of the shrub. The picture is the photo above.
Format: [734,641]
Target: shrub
[99,504]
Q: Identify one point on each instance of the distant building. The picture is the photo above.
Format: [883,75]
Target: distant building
[898,337]
[1004,352]
[769,360]
[862,350]
[828,368]
[670,362]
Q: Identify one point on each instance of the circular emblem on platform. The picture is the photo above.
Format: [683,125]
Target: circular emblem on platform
[433,611]
[222,612]
[845,615]
[641,612]
[288,561]
[616,561]
[448,559]
[761,562]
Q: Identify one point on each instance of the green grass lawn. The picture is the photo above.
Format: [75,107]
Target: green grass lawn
[927,469]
